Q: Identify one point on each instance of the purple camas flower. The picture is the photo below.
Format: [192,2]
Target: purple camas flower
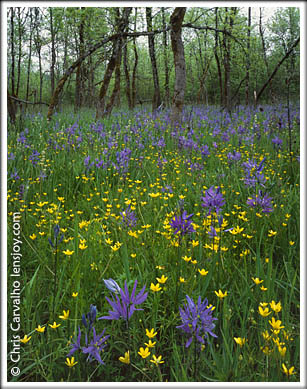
[15,175]
[277,141]
[263,201]
[124,306]
[213,199]
[128,217]
[96,345]
[197,320]
[253,172]
[234,156]
[34,157]
[182,224]
[112,285]
[91,316]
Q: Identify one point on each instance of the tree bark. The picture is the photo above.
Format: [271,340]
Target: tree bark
[30,55]
[122,23]
[116,89]
[53,55]
[166,68]
[38,46]
[127,77]
[151,43]
[11,108]
[219,71]
[19,50]
[179,63]
[12,52]
[133,84]
[80,73]
[276,69]
[248,57]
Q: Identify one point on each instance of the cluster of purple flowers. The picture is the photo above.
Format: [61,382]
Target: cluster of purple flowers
[234,156]
[34,157]
[197,320]
[123,306]
[128,217]
[213,200]
[96,344]
[253,172]
[261,200]
[182,224]
[122,159]
[277,142]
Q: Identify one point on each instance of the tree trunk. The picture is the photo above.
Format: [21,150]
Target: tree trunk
[19,50]
[227,58]
[166,68]
[12,52]
[11,108]
[79,74]
[219,72]
[248,57]
[38,46]
[264,49]
[53,55]
[116,89]
[151,43]
[133,84]
[179,63]
[276,68]
[29,60]
[122,23]
[126,69]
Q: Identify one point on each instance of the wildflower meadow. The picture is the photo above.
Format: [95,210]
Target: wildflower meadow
[153,253]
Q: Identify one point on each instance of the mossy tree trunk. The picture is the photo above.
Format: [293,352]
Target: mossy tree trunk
[179,63]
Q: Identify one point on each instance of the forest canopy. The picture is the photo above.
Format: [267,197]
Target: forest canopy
[104,57]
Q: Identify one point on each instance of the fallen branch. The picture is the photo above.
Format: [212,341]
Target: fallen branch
[28,102]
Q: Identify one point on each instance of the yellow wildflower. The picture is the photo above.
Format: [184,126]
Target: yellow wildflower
[126,358]
[288,371]
[220,294]
[82,246]
[144,352]
[156,360]
[257,281]
[276,324]
[54,325]
[150,344]
[65,315]
[240,341]
[40,329]
[151,334]
[68,252]
[155,288]
[264,312]
[275,307]
[70,362]
[25,339]
[203,272]
[162,280]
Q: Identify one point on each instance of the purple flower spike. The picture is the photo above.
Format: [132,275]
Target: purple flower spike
[125,306]
[213,199]
[197,320]
[182,224]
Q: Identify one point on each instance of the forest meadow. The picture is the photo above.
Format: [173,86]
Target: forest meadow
[153,193]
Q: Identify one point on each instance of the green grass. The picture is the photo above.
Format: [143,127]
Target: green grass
[86,203]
